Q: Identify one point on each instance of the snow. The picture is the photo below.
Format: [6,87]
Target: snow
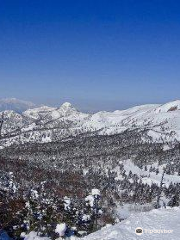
[66,105]
[23,235]
[46,139]
[60,229]
[34,113]
[156,224]
[34,193]
[153,223]
[123,212]
[55,114]
[166,147]
[95,192]
[172,106]
[67,108]
[67,202]
[86,217]
[154,135]
[162,122]
[33,236]
[90,200]
[151,116]
[150,177]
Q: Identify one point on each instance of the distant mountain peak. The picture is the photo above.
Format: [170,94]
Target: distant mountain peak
[15,104]
[66,105]
[15,100]
[67,108]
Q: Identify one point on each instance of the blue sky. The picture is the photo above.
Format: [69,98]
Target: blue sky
[97,54]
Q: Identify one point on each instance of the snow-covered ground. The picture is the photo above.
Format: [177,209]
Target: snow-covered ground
[150,177]
[156,224]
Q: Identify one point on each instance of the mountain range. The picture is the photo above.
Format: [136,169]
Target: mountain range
[157,123]
[131,156]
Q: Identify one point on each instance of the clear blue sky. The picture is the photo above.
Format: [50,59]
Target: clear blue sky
[97,54]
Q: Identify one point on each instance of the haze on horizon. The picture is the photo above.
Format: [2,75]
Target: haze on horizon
[98,55]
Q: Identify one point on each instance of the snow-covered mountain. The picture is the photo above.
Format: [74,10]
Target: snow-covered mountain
[158,123]
[131,156]
[15,104]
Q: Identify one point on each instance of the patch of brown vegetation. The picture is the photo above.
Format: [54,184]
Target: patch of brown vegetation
[173,109]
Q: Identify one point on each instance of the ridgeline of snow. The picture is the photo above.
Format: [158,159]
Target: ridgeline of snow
[155,221]
[169,107]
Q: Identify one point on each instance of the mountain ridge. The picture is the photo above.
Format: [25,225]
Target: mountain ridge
[161,122]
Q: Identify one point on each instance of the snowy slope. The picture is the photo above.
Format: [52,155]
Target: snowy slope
[162,219]
[160,121]
[148,177]
[156,224]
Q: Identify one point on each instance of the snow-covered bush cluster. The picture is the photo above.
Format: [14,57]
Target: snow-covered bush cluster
[35,211]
